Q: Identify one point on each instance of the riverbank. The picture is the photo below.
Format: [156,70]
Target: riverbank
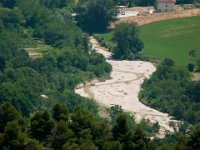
[123,88]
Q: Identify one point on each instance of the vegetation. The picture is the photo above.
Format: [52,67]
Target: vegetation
[39,109]
[166,39]
[95,15]
[128,41]
[79,130]
[172,39]
[31,84]
[196,3]
[171,90]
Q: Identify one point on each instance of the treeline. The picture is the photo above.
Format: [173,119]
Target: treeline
[61,130]
[170,89]
[32,84]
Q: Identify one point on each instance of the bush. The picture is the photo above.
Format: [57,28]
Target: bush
[191,67]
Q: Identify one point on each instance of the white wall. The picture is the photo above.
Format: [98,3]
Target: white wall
[166,7]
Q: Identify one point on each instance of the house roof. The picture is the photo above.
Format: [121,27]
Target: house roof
[166,1]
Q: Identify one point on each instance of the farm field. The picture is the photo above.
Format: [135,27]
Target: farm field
[168,39]
[172,39]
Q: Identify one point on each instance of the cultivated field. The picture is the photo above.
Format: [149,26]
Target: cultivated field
[172,39]
[169,38]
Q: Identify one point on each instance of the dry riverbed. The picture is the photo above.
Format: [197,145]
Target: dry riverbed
[123,89]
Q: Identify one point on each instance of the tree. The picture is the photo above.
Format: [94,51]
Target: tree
[95,15]
[121,129]
[194,139]
[7,114]
[34,145]
[41,125]
[191,67]
[13,137]
[61,135]
[56,3]
[60,112]
[192,91]
[192,53]
[2,64]
[128,41]
[196,3]
[8,3]
[81,120]
[113,145]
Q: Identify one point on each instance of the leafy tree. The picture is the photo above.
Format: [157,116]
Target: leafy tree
[196,3]
[95,15]
[141,141]
[31,14]
[11,18]
[193,91]
[114,145]
[61,134]
[128,41]
[2,64]
[191,67]
[41,125]
[56,3]
[7,114]
[8,3]
[121,129]
[13,137]
[60,112]
[34,145]
[192,54]
[194,139]
[81,120]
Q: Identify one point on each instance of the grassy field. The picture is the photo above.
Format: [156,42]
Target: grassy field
[172,39]
[169,39]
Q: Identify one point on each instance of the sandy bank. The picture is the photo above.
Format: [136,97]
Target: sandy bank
[123,89]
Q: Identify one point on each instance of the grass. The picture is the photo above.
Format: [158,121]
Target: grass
[172,39]
[107,37]
[39,47]
[168,39]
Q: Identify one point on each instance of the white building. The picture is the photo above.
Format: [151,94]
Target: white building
[165,5]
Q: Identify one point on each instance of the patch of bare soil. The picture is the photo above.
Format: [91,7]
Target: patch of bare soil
[123,88]
[148,18]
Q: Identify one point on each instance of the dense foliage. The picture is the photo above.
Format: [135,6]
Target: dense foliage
[60,130]
[128,41]
[171,90]
[31,84]
[95,15]
[29,88]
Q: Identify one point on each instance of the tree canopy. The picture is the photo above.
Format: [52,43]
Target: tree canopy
[128,42]
[95,15]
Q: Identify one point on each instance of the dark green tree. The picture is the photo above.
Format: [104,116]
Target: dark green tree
[13,137]
[61,134]
[194,139]
[7,114]
[95,15]
[128,42]
[8,3]
[60,112]
[121,129]
[41,125]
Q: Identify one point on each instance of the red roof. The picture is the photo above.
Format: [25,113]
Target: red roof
[166,1]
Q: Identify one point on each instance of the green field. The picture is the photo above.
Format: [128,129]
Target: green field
[172,39]
[169,39]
